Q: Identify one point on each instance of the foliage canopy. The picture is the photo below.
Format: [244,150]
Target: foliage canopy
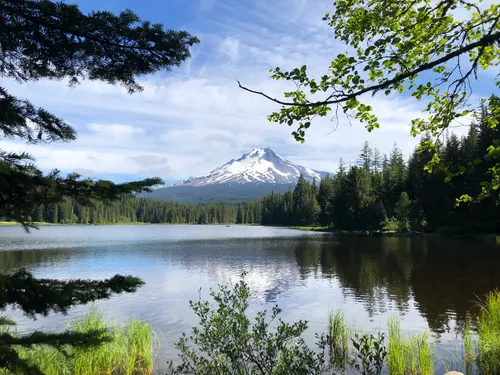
[432,49]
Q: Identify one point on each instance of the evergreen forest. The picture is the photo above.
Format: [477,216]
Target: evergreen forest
[379,192]
[386,192]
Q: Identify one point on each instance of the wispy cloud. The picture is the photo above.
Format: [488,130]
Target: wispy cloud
[229,49]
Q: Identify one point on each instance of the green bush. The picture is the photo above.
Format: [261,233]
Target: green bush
[390,224]
[227,341]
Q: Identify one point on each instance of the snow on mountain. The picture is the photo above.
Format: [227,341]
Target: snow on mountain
[261,165]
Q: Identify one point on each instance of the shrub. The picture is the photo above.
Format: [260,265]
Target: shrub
[226,341]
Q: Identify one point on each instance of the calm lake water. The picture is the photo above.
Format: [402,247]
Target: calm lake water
[430,283]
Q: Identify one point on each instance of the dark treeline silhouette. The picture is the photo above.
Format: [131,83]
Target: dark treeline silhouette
[131,210]
[385,192]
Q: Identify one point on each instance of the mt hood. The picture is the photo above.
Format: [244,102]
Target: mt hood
[260,166]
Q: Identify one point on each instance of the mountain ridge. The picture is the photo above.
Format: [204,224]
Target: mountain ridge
[261,165]
[253,175]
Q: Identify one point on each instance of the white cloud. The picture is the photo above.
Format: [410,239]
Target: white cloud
[194,119]
[114,132]
[229,48]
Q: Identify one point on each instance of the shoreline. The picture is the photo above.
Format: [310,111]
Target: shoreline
[324,229]
[45,224]
[321,229]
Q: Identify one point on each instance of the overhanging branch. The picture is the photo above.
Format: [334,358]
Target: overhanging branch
[483,42]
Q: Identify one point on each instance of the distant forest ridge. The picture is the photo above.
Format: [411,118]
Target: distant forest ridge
[216,193]
[383,192]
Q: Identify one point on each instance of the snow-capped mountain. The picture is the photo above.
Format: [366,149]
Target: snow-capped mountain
[260,166]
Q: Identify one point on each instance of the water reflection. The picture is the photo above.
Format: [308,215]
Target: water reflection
[29,259]
[436,278]
[443,277]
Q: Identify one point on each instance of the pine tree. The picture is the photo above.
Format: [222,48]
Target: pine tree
[325,200]
[377,160]
[303,207]
[240,216]
[394,176]
[55,40]
[366,156]
[340,206]
[53,213]
[402,211]
[37,215]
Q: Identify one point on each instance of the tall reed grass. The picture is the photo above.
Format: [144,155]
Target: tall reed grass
[410,355]
[488,329]
[339,337]
[129,352]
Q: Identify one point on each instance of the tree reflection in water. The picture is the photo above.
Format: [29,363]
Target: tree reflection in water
[444,277]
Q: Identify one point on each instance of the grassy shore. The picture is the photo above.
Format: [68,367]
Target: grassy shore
[414,354]
[130,351]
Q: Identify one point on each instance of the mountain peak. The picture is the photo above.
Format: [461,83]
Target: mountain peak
[261,165]
[261,152]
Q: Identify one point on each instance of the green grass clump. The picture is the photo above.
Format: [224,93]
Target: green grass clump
[409,355]
[339,338]
[470,350]
[488,329]
[396,348]
[425,354]
[47,359]
[468,343]
[129,352]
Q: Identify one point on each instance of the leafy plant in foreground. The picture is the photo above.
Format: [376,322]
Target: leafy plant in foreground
[371,353]
[227,341]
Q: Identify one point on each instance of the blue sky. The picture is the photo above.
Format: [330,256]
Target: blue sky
[191,120]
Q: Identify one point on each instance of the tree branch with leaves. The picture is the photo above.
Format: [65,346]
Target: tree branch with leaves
[432,50]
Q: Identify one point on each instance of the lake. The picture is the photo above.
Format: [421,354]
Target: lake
[431,283]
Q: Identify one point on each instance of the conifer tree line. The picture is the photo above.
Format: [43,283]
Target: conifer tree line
[144,210]
[379,192]
[385,192]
